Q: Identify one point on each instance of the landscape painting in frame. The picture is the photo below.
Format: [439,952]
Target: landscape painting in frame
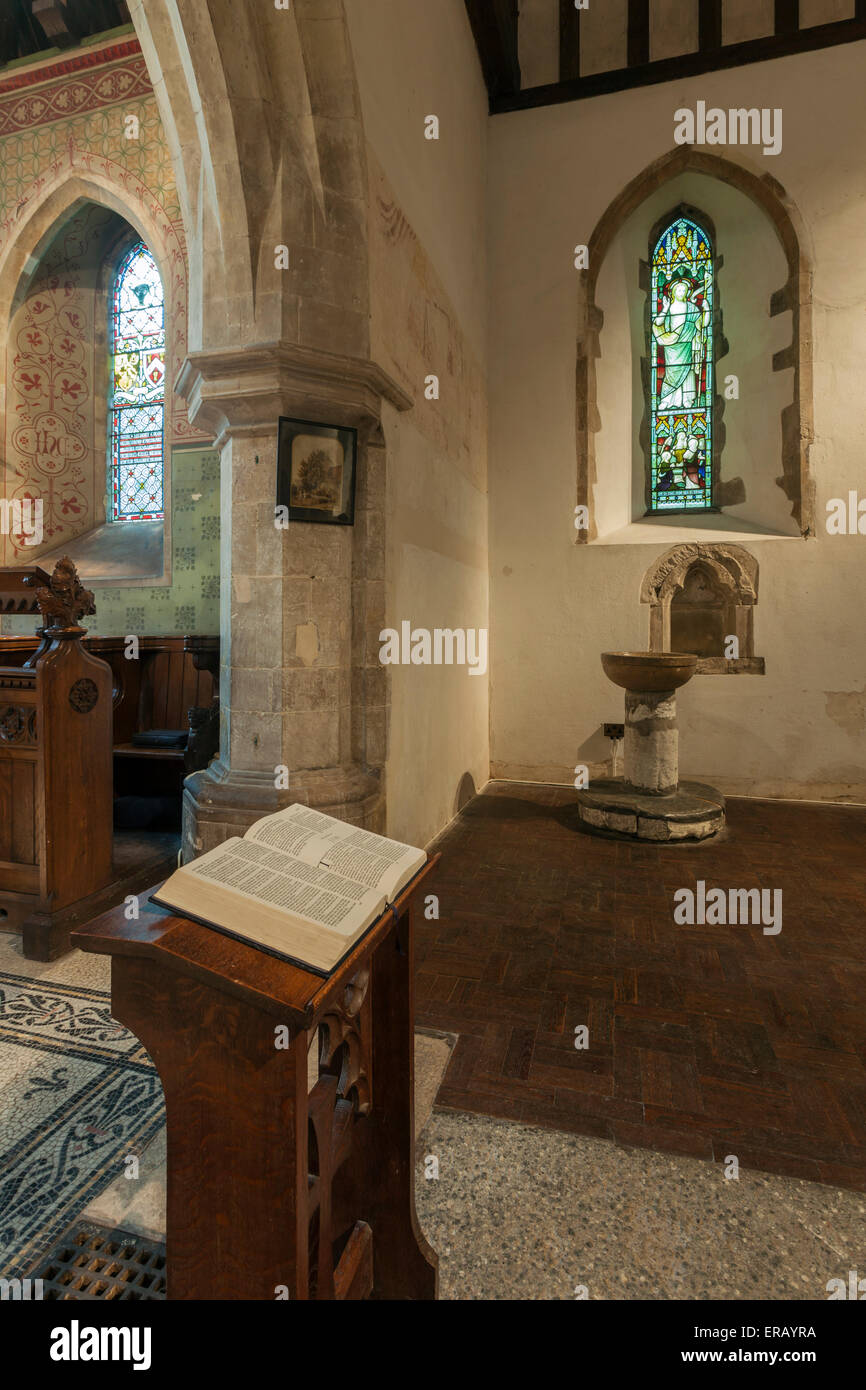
[316,472]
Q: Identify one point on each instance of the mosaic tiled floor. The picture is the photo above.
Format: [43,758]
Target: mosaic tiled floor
[77,1093]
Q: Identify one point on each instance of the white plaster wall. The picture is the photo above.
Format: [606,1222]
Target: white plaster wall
[673,28]
[800,729]
[825,11]
[538,42]
[603,37]
[414,60]
[747,19]
[429,315]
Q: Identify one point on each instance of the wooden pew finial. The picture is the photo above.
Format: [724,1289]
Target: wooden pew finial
[64,601]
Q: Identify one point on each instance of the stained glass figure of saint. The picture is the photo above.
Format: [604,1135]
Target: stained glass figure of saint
[681,357]
[137,414]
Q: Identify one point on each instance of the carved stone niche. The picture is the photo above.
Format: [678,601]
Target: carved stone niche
[699,596]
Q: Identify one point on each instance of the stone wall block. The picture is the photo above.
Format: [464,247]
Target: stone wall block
[255,740]
[319,274]
[341,158]
[310,550]
[311,738]
[311,689]
[320,325]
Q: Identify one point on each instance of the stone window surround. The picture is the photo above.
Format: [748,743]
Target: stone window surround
[736,572]
[795,296]
[59,200]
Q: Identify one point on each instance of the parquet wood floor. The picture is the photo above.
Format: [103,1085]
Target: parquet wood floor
[704,1040]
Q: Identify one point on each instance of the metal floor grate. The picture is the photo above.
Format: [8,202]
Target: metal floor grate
[95,1262]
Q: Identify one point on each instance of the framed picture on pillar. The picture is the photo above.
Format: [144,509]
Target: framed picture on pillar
[316,472]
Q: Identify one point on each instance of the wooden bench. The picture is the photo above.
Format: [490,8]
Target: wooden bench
[173,684]
[55,764]
[71,706]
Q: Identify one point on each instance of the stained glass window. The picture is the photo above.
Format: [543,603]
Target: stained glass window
[681,358]
[137,408]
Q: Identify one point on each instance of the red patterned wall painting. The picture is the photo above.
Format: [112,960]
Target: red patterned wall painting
[58,122]
[72,94]
[50,416]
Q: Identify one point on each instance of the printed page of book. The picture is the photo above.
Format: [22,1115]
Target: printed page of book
[296,908]
[369,860]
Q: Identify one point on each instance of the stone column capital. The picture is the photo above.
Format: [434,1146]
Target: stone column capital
[231,391]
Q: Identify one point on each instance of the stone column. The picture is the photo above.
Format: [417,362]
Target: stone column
[651,741]
[300,683]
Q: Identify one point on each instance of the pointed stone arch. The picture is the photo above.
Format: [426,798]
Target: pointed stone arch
[43,210]
[262,115]
[794,296]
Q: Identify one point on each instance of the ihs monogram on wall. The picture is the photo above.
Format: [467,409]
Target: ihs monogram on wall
[51,389]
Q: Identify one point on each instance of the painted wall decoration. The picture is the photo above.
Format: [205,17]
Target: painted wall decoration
[72,118]
[80,84]
[190,603]
[51,441]
[681,363]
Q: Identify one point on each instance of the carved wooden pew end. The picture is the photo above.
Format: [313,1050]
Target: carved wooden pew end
[56,782]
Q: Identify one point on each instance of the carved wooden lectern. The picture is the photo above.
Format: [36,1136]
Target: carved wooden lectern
[275,1184]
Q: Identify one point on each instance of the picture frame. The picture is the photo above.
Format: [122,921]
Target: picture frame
[316,468]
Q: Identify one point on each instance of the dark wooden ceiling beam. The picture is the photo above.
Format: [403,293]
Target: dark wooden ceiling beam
[569,41]
[29,27]
[709,25]
[688,64]
[20,33]
[638,32]
[494,27]
[787,15]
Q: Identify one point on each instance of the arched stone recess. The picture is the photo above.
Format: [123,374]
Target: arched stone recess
[79,178]
[80,187]
[701,596]
[778,392]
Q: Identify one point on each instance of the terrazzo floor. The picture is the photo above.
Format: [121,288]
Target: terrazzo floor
[524,1212]
[521,1212]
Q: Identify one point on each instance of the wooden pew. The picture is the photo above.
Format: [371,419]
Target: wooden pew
[55,764]
[61,862]
[173,684]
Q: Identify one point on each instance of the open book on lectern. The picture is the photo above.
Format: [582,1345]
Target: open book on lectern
[299,884]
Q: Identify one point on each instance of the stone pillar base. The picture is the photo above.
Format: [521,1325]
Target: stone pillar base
[651,762]
[612,807]
[219,803]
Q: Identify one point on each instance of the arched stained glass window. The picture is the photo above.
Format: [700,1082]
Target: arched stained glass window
[137,406]
[681,377]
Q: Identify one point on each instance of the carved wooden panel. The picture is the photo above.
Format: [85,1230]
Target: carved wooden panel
[17,812]
[18,725]
[345,1034]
